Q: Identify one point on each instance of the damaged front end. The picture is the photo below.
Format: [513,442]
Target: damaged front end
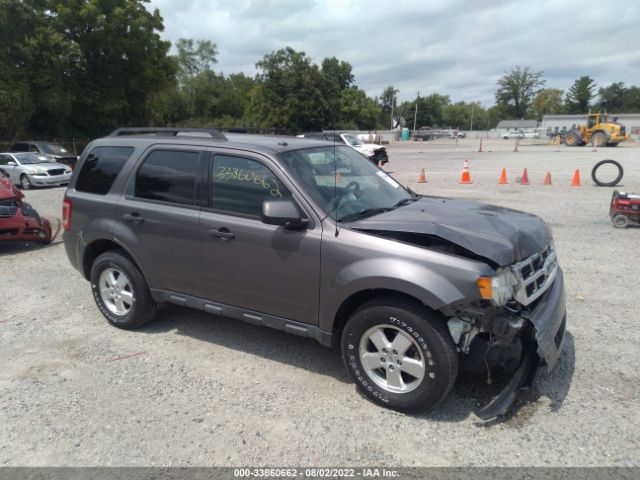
[526,331]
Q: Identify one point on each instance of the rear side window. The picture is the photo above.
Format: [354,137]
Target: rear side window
[100,169]
[169,176]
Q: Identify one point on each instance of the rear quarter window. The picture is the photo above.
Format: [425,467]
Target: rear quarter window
[101,168]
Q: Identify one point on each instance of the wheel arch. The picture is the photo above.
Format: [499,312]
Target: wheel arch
[97,248]
[357,299]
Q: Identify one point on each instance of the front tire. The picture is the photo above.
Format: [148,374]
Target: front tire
[399,354]
[121,292]
[571,139]
[25,183]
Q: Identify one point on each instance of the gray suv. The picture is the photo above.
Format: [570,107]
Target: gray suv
[313,239]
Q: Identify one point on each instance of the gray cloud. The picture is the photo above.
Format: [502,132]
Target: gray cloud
[458,48]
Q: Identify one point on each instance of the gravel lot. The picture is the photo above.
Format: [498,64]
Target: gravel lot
[195,389]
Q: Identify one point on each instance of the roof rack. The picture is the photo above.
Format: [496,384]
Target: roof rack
[170,132]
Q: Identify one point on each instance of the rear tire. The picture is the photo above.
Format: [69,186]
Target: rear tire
[413,363]
[121,292]
[599,139]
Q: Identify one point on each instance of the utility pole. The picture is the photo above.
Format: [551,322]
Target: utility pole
[471,125]
[415,114]
[392,102]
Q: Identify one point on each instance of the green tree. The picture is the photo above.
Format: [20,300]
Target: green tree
[118,60]
[288,93]
[16,106]
[338,71]
[617,98]
[580,94]
[357,111]
[548,101]
[517,89]
[195,57]
[388,106]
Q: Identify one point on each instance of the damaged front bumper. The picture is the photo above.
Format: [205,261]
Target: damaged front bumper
[548,320]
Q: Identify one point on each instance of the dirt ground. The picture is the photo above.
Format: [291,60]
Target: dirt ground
[195,389]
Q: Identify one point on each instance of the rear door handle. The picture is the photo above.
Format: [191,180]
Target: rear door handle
[223,234]
[133,218]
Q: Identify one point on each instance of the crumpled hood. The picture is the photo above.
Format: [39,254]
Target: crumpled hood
[502,235]
[8,190]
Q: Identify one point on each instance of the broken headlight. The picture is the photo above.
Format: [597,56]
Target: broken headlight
[500,288]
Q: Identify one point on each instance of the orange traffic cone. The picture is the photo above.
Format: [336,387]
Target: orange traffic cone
[466,176]
[547,179]
[423,177]
[338,178]
[576,179]
[525,178]
[503,177]
[480,148]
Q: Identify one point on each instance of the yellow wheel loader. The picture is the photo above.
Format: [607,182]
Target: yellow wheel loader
[598,131]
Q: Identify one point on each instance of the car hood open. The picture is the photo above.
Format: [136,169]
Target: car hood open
[499,234]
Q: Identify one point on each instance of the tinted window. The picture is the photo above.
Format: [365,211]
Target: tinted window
[20,147]
[101,168]
[240,185]
[169,176]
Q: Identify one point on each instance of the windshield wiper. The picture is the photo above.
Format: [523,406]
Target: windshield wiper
[374,211]
[405,201]
[362,213]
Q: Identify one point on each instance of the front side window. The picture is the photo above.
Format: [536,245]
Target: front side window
[240,185]
[169,176]
[100,169]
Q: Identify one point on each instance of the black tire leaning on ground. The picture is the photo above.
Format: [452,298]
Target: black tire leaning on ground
[143,307]
[431,338]
[594,176]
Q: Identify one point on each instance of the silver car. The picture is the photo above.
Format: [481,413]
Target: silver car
[29,169]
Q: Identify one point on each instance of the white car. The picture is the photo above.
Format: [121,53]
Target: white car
[29,169]
[513,134]
[373,152]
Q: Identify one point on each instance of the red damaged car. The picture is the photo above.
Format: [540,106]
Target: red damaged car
[18,219]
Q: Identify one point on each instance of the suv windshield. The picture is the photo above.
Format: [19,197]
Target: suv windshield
[346,186]
[31,158]
[352,140]
[53,149]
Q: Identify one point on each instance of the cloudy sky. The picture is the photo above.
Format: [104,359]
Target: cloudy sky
[453,47]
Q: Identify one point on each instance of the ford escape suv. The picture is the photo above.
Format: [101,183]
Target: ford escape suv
[313,239]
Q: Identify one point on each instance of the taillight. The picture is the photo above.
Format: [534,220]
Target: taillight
[66,214]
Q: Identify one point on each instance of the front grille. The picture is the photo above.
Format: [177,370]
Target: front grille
[8,231]
[56,171]
[8,212]
[8,208]
[535,275]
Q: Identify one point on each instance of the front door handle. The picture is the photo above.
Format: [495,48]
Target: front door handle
[133,218]
[223,234]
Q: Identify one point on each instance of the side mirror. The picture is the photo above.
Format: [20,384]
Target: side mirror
[11,164]
[283,213]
